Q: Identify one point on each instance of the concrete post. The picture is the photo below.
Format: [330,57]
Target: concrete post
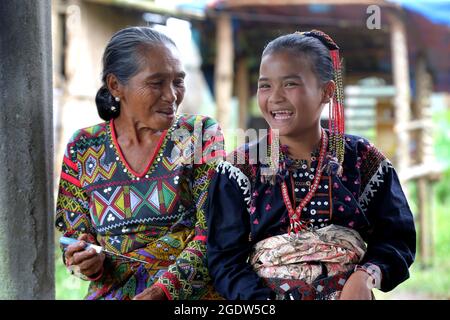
[26,151]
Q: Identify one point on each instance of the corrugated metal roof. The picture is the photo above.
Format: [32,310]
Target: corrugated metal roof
[435,11]
[245,3]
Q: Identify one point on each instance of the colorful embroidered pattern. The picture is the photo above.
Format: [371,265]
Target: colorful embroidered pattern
[157,217]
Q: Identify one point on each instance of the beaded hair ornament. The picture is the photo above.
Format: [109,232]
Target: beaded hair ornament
[336,123]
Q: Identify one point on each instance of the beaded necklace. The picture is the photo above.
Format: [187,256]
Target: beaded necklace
[296,224]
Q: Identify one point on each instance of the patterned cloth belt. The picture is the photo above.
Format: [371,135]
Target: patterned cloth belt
[311,265]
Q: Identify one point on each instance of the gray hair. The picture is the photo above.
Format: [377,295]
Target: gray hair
[122,58]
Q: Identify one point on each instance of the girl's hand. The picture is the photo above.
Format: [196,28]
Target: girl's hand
[89,262]
[358,287]
[152,293]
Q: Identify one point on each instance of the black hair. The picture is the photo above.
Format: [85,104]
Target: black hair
[122,58]
[314,48]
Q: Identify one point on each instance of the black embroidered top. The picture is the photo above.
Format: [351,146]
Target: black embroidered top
[368,197]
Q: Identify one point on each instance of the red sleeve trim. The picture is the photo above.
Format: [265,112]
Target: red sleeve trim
[70,163]
[163,287]
[211,141]
[70,179]
[201,238]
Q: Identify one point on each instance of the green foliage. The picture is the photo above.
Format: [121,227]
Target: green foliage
[432,282]
[441,128]
[443,187]
[442,241]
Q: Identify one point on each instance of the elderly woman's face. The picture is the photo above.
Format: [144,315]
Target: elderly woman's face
[153,95]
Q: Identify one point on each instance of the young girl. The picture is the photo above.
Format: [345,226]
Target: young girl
[332,221]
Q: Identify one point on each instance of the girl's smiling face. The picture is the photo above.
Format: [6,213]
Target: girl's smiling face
[290,95]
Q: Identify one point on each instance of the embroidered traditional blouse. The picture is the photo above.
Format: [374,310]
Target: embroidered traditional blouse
[156,215]
[244,210]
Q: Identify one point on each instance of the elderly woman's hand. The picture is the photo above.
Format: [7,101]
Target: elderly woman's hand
[152,293]
[89,262]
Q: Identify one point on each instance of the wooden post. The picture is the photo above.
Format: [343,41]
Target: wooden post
[424,87]
[425,148]
[402,98]
[242,89]
[223,75]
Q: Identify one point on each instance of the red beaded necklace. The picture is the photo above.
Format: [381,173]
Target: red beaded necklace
[294,215]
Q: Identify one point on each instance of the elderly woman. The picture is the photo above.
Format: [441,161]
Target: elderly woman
[131,184]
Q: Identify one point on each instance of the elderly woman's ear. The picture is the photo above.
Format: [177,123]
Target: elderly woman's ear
[114,86]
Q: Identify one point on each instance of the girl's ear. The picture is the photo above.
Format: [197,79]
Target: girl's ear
[328,91]
[114,85]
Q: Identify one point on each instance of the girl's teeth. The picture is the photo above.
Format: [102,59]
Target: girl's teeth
[282,115]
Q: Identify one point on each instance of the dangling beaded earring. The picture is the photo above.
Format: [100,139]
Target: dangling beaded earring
[337,112]
[336,108]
